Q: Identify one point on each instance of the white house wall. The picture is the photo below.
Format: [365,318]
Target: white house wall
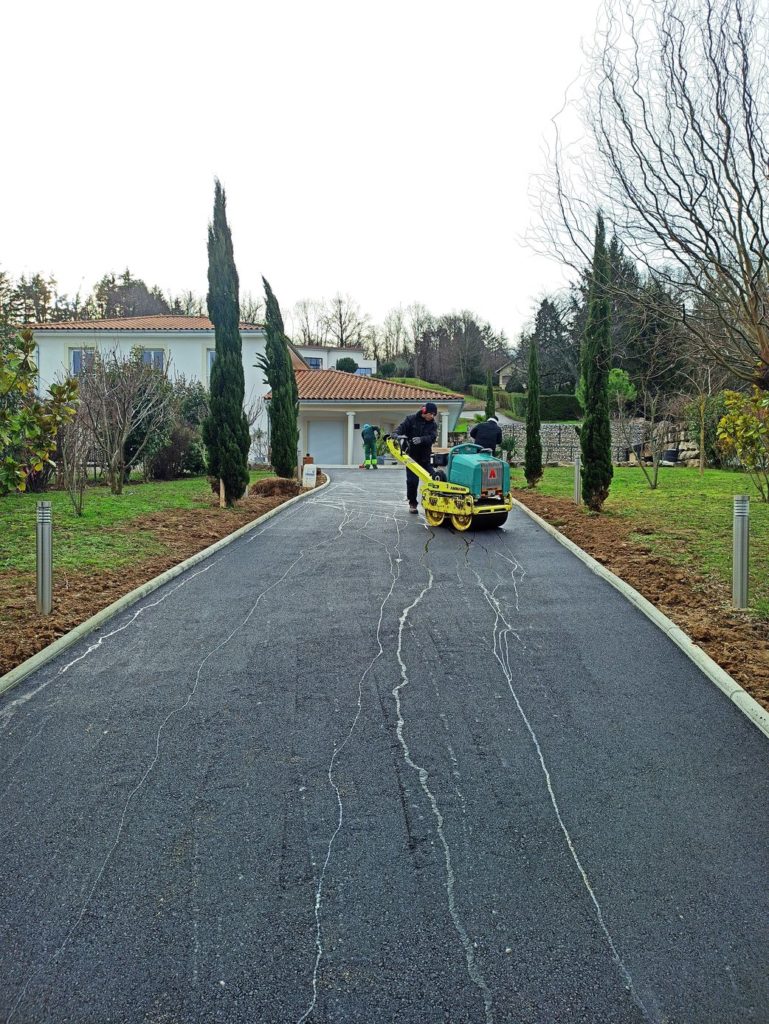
[186,354]
[329,356]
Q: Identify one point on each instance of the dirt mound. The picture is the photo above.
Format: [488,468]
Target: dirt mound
[697,603]
[275,486]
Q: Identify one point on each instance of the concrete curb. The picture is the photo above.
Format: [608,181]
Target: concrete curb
[747,705]
[10,679]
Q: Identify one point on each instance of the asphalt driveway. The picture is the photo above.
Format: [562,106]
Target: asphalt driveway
[354,769]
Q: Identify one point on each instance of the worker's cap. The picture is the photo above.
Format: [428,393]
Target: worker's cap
[494,418]
[430,407]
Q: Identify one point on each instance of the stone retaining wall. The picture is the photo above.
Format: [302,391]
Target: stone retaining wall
[560,443]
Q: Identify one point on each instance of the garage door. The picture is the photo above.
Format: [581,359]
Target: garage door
[326,442]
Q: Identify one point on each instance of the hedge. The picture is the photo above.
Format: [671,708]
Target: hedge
[551,407]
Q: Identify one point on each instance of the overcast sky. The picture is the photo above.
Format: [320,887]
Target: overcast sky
[383,150]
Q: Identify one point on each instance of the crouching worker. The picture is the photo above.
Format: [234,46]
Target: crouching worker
[369,435]
[422,432]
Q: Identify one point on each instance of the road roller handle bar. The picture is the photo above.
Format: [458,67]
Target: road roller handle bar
[398,446]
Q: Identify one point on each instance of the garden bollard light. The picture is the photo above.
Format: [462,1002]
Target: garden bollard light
[44,558]
[740,550]
[577,481]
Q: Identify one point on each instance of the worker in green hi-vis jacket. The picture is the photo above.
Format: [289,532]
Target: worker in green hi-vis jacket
[369,435]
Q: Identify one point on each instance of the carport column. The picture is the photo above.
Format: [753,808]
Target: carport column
[444,430]
[350,438]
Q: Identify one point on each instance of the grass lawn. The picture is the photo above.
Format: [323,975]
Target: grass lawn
[88,540]
[689,516]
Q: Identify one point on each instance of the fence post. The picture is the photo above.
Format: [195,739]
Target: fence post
[577,480]
[44,552]
[740,550]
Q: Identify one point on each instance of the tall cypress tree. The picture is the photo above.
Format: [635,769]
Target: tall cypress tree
[491,408]
[595,359]
[532,464]
[225,430]
[284,404]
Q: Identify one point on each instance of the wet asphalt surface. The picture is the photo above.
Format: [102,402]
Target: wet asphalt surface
[354,769]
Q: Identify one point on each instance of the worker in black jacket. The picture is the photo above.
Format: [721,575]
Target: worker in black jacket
[421,430]
[487,434]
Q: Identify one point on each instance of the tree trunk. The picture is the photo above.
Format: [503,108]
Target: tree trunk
[222,502]
[702,435]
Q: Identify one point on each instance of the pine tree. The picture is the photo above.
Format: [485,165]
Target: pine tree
[532,465]
[284,404]
[595,432]
[491,408]
[225,431]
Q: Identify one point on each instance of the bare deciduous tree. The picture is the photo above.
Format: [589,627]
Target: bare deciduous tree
[251,309]
[121,396]
[309,323]
[646,424]
[672,148]
[345,324]
[76,443]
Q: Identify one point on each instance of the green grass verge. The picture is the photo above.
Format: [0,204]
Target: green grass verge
[689,516]
[94,539]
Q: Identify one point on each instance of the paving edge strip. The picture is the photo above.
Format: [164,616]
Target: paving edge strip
[758,715]
[16,675]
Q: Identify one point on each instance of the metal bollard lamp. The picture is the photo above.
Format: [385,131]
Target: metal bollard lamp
[740,550]
[44,558]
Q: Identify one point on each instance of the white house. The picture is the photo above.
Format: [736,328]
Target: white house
[324,357]
[332,405]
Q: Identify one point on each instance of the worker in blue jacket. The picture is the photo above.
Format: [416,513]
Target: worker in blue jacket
[422,432]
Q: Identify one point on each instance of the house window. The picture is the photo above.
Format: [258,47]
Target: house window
[314,362]
[364,371]
[210,356]
[154,357]
[80,360]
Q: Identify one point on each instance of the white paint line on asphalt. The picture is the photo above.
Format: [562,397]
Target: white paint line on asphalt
[752,710]
[394,573]
[502,656]
[472,967]
[16,675]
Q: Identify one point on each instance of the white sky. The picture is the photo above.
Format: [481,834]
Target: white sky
[382,150]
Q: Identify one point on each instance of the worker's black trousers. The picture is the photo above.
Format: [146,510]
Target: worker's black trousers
[412,485]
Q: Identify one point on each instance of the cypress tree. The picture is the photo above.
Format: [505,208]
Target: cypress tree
[284,404]
[532,464]
[595,356]
[491,408]
[225,430]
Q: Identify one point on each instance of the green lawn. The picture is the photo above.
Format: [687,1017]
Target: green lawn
[90,539]
[690,517]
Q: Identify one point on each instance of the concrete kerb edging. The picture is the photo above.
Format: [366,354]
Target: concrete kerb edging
[10,679]
[749,707]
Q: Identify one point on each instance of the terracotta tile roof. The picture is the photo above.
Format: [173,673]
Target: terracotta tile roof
[335,385]
[163,322]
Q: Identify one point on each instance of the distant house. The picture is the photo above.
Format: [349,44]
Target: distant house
[324,357]
[504,373]
[333,405]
